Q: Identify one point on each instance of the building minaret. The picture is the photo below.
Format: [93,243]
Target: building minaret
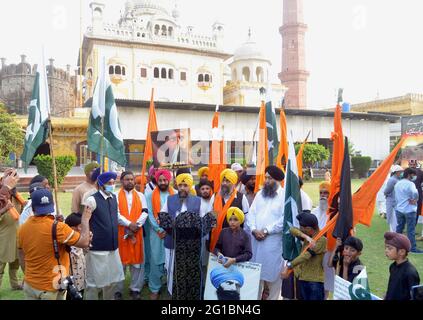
[294,74]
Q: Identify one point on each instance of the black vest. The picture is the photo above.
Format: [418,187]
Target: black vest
[104,224]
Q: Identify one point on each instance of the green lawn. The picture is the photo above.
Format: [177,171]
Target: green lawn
[373,254]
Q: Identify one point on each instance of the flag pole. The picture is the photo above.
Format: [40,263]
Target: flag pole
[102,146]
[56,187]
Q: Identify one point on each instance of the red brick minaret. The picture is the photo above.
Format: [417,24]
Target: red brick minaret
[294,74]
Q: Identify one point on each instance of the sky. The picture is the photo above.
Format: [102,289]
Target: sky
[372,49]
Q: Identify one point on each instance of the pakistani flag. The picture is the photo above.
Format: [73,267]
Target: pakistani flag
[110,144]
[291,245]
[359,289]
[39,109]
[272,130]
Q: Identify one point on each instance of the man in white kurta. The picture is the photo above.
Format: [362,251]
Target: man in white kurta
[265,220]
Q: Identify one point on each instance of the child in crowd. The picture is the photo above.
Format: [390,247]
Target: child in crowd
[234,244]
[77,256]
[348,266]
[308,266]
[403,275]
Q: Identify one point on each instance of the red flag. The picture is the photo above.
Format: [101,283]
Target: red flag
[152,126]
[262,150]
[364,200]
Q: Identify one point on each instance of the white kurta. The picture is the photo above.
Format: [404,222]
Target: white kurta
[268,213]
[306,202]
[321,215]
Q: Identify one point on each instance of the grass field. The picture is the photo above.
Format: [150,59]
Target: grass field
[373,254]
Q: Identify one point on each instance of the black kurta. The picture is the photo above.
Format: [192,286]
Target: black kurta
[187,230]
[402,278]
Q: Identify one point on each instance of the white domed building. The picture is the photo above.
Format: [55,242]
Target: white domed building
[249,72]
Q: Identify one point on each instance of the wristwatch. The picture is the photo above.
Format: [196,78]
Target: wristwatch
[289,265]
[265,232]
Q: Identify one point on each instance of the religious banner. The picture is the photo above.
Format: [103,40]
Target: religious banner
[240,281]
[172,148]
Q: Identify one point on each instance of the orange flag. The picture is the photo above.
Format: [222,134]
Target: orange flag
[300,156]
[283,143]
[152,126]
[262,150]
[217,154]
[364,200]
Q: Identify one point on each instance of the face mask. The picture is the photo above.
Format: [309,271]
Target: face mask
[414,178]
[109,188]
[401,175]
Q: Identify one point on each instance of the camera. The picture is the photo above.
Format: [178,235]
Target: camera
[68,285]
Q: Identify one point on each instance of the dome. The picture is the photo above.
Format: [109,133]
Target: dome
[249,50]
[155,5]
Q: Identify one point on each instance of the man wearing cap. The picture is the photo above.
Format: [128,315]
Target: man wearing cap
[156,234]
[133,213]
[390,197]
[308,266]
[418,183]
[43,271]
[83,188]
[265,220]
[228,283]
[37,183]
[239,171]
[249,181]
[403,275]
[182,221]
[8,240]
[104,267]
[406,197]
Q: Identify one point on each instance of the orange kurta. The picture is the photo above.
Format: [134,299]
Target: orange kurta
[131,252]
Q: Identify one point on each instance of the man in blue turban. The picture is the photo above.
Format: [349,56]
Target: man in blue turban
[104,266]
[228,282]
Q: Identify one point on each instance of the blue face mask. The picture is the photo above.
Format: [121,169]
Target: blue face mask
[414,178]
[109,188]
[401,175]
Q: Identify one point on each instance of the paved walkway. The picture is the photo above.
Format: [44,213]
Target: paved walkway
[32,171]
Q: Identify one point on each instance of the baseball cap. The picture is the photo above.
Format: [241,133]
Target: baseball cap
[396,168]
[237,167]
[42,202]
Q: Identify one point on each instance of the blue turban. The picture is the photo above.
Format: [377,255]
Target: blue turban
[95,174]
[106,177]
[220,275]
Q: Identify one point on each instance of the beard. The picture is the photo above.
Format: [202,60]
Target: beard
[250,187]
[182,195]
[224,191]
[129,187]
[163,187]
[225,295]
[269,190]
[323,204]
[206,196]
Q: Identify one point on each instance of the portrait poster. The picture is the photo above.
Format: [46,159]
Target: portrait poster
[241,281]
[171,148]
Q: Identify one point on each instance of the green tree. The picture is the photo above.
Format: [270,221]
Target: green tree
[361,165]
[11,135]
[64,164]
[313,153]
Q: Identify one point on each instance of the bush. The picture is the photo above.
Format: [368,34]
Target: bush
[64,164]
[361,166]
[313,153]
[11,136]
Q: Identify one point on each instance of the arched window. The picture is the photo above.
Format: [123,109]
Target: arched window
[118,70]
[246,74]
[170,73]
[170,31]
[123,71]
[207,78]
[111,70]
[200,78]
[90,74]
[260,74]
[164,73]
[156,29]
[156,73]
[164,30]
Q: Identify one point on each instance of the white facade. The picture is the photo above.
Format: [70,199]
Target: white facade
[147,48]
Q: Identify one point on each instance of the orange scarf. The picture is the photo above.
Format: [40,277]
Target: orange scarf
[157,203]
[130,252]
[221,216]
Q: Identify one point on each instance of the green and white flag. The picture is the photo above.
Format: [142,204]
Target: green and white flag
[39,109]
[291,245]
[110,144]
[272,129]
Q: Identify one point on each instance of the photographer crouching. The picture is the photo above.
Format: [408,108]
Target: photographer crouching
[43,251]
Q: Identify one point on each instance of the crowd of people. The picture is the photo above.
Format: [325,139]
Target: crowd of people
[162,238]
